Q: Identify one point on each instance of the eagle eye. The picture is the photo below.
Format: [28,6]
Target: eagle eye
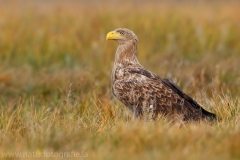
[121,32]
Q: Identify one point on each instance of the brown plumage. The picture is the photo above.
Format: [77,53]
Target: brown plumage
[142,91]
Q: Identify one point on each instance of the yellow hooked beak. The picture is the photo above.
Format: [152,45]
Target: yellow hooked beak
[113,35]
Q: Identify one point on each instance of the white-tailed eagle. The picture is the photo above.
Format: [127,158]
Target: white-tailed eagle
[142,91]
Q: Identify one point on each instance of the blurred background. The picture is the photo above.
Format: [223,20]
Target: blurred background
[47,45]
[55,77]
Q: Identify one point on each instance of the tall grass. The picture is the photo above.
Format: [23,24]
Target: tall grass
[55,67]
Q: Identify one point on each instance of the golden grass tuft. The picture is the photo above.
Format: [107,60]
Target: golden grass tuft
[55,68]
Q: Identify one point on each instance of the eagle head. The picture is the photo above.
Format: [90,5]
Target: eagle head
[122,35]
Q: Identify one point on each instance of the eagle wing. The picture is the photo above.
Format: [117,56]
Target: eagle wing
[144,92]
[189,102]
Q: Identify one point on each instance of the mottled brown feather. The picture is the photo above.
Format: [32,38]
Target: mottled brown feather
[145,93]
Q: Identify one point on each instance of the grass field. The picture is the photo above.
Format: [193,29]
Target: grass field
[55,67]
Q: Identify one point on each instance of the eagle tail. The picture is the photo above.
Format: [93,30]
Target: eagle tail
[204,113]
[208,115]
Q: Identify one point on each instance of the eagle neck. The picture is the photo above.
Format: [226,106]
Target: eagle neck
[126,54]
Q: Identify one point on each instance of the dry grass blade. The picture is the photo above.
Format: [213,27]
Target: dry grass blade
[45,46]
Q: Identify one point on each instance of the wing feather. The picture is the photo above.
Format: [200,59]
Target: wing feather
[142,91]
